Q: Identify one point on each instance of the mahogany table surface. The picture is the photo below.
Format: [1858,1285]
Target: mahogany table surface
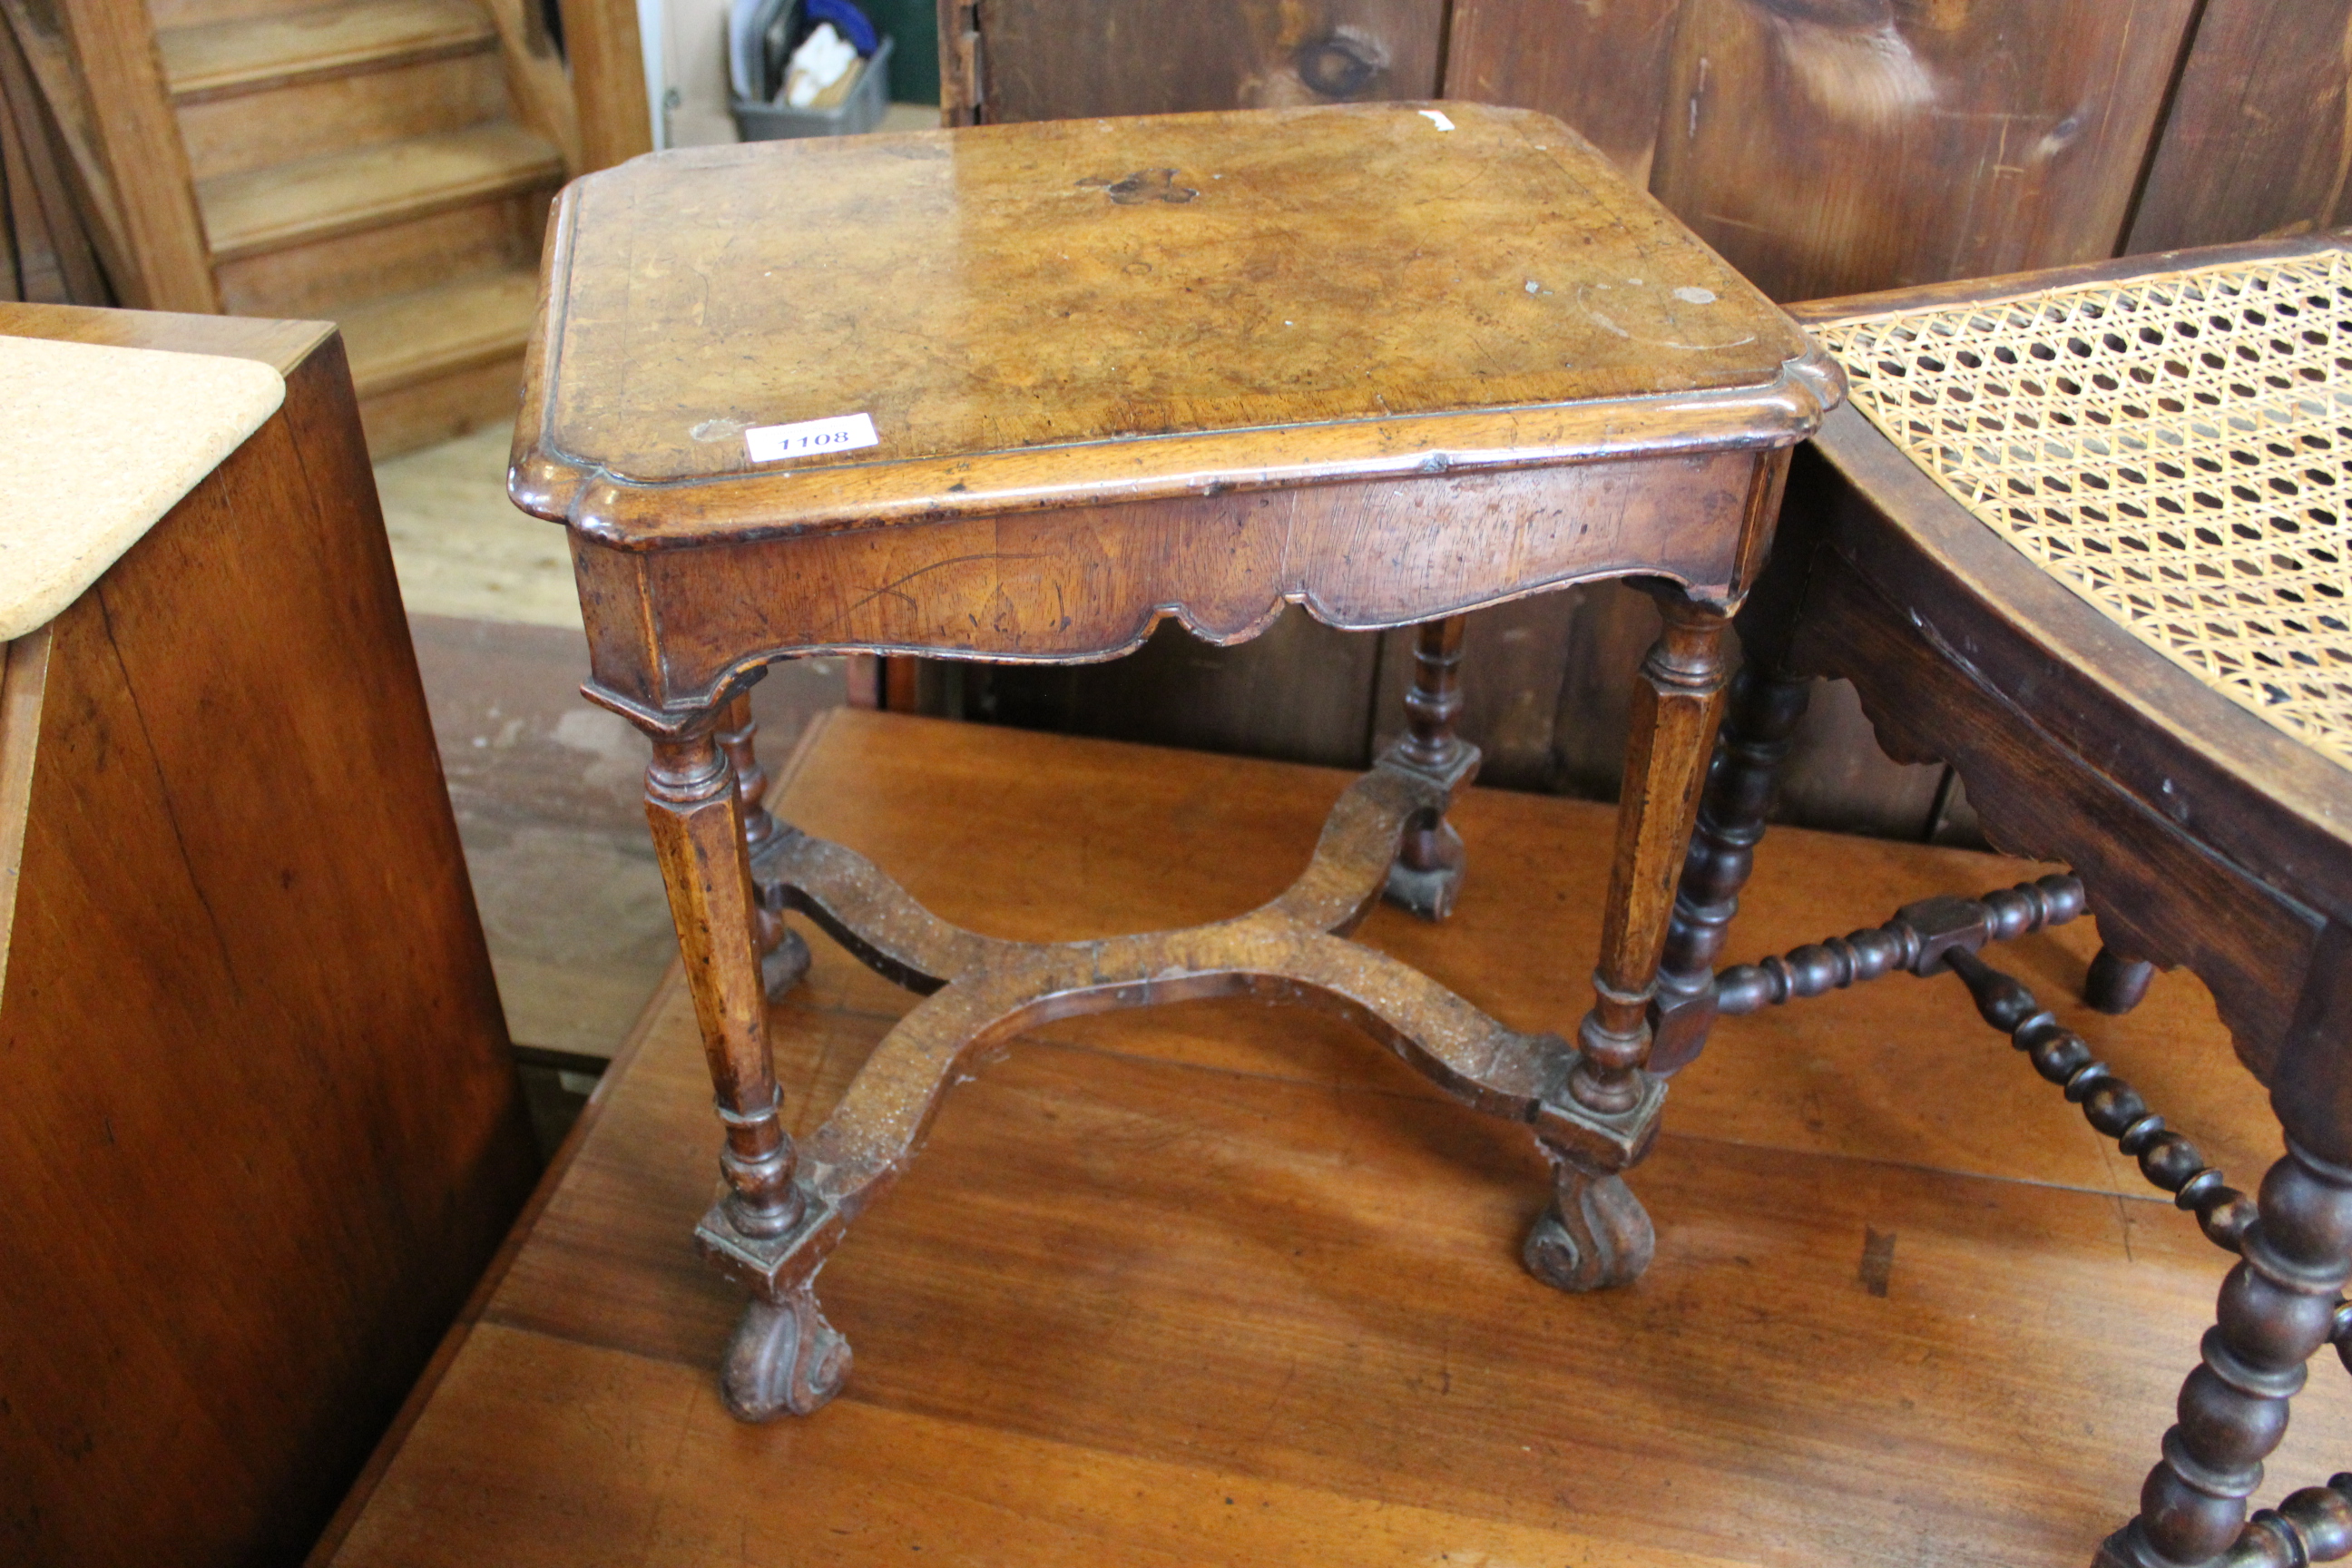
[1223,1284]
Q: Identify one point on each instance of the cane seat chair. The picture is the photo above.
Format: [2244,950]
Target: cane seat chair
[2083,536]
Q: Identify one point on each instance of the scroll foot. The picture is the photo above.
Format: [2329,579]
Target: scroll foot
[1426,875]
[1595,1234]
[784,1357]
[783,965]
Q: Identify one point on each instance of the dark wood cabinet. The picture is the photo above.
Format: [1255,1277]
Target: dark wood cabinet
[2254,145]
[1070,60]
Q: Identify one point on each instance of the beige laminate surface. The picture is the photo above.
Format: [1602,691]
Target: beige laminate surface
[101,442]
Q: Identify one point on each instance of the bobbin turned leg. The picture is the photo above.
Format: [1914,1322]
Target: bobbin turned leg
[1761,713]
[2278,1306]
[2116,983]
[698,820]
[784,956]
[1595,1233]
[1428,869]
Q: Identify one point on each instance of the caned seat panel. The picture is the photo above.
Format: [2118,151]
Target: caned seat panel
[2174,448]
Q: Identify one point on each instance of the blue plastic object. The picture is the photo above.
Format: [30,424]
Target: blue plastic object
[847,20]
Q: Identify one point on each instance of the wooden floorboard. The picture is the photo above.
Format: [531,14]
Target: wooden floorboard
[1227,1285]
[548,792]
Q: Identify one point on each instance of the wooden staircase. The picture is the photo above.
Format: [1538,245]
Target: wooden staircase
[370,164]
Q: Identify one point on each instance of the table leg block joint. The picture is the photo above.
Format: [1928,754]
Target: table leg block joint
[1426,875]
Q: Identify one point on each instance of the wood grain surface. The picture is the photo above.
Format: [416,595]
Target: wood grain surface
[265,210]
[1170,305]
[269,50]
[1057,59]
[49,243]
[1831,149]
[667,629]
[224,136]
[261,1128]
[1221,1284]
[2258,141]
[1882,122]
[135,150]
[1601,67]
[602,49]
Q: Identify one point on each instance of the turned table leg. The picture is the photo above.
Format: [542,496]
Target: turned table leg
[1761,714]
[784,956]
[2277,1307]
[1595,1233]
[1427,874]
[784,1356]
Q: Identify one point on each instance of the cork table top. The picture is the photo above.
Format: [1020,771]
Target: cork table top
[102,442]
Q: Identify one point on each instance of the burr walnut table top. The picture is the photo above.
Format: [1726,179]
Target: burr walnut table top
[1214,1285]
[1084,312]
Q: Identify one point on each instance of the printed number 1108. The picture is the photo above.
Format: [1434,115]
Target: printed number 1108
[843,433]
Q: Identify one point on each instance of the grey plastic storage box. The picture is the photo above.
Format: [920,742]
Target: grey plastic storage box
[860,112]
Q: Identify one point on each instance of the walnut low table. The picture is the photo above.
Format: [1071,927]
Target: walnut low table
[1016,393]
